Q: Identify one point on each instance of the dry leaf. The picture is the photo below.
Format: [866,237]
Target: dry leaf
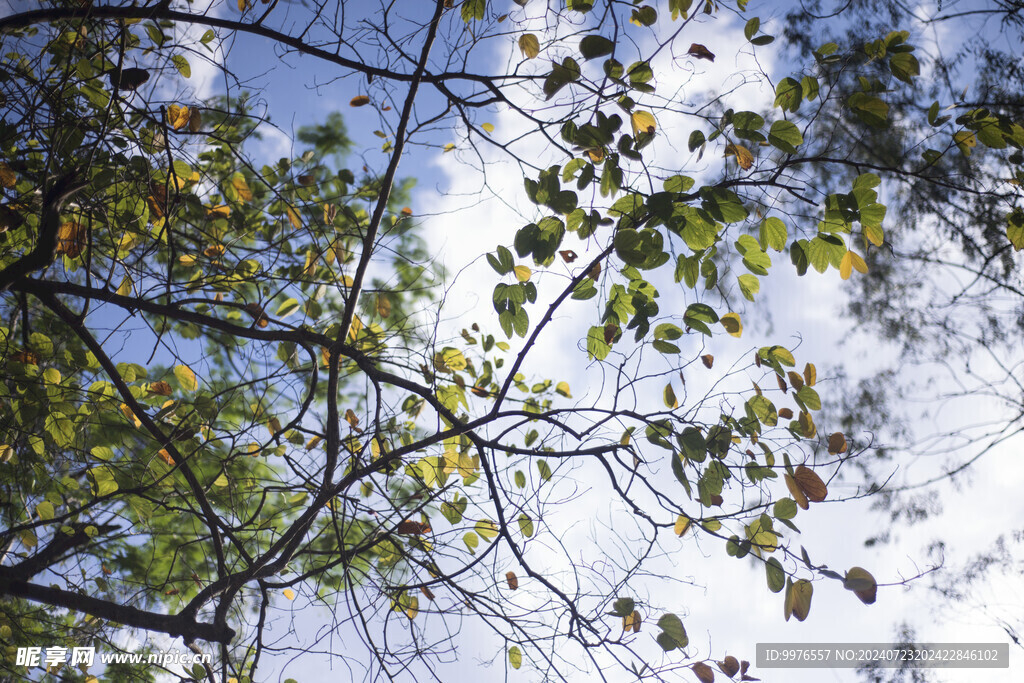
[359,101]
[700,52]
[811,484]
[708,360]
[513,582]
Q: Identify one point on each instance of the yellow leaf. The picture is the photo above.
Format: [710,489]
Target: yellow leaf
[130,415]
[529,45]
[453,360]
[220,211]
[273,426]
[488,127]
[125,288]
[7,176]
[186,377]
[242,187]
[383,305]
[221,481]
[214,250]
[522,273]
[414,608]
[449,147]
[874,234]
[177,116]
[798,599]
[858,263]
[682,525]
[563,389]
[313,443]
[743,156]
[732,324]
[846,266]
[810,374]
[70,239]
[288,593]
[293,218]
[643,122]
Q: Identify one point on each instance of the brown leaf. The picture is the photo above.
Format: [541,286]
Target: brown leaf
[700,52]
[796,380]
[27,357]
[730,666]
[427,592]
[609,333]
[7,176]
[568,255]
[513,582]
[708,360]
[160,388]
[837,444]
[595,272]
[359,101]
[70,239]
[744,157]
[195,120]
[786,413]
[811,484]
[703,672]
[757,359]
[782,383]
[411,528]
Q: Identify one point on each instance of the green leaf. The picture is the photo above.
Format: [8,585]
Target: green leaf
[870,109]
[45,510]
[699,317]
[623,607]
[672,627]
[1015,229]
[788,95]
[525,525]
[749,285]
[288,307]
[904,66]
[544,470]
[596,46]
[784,135]
[183,67]
[773,234]
[473,9]
[775,575]
[809,397]
[520,478]
[515,657]
[784,508]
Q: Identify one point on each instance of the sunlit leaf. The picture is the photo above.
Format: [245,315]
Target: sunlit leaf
[529,45]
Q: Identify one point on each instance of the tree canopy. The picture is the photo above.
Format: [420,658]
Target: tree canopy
[234,387]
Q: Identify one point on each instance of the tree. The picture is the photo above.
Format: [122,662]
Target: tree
[227,389]
[946,298]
